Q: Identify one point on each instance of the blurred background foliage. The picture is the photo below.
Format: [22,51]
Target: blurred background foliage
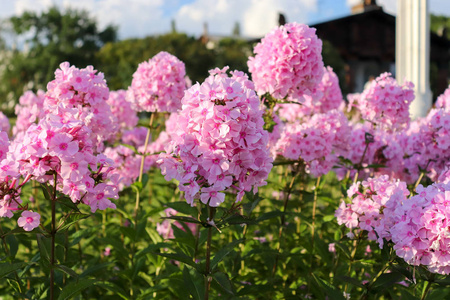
[39,42]
[54,36]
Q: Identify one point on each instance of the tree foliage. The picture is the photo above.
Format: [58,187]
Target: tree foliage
[119,60]
[51,37]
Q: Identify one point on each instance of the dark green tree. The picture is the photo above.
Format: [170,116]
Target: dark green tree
[120,60]
[332,58]
[50,38]
[440,25]
[233,52]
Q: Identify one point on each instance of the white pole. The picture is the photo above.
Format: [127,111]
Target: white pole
[412,55]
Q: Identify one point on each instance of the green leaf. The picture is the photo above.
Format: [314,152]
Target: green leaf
[67,270]
[328,218]
[72,219]
[74,288]
[224,282]
[95,268]
[438,294]
[254,200]
[183,207]
[151,248]
[113,288]
[223,252]
[181,257]
[6,268]
[183,219]
[254,290]
[184,237]
[236,219]
[13,245]
[137,186]
[130,147]
[386,280]
[376,166]
[144,180]
[14,231]
[195,286]
[333,292]
[67,202]
[269,215]
[350,280]
[44,247]
[45,192]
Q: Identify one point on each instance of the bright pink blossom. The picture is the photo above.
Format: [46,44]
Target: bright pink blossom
[287,62]
[219,143]
[158,84]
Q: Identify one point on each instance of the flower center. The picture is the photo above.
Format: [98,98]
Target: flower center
[29,220]
[63,146]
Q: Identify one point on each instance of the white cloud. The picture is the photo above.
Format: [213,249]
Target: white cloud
[135,18]
[256,17]
[438,7]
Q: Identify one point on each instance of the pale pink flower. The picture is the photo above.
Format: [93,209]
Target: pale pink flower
[29,220]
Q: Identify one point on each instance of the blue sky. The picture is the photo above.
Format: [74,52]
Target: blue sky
[139,18]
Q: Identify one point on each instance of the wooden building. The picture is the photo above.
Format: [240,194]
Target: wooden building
[366,42]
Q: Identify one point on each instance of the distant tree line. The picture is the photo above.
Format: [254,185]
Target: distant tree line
[54,36]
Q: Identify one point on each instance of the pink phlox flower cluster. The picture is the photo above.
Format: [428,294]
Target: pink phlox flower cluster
[220,143]
[275,135]
[134,137]
[164,139]
[372,207]
[48,149]
[29,110]
[63,145]
[444,177]
[443,101]
[4,123]
[327,97]
[10,189]
[426,145]
[127,164]
[158,84]
[165,227]
[287,62]
[81,95]
[318,142]
[421,235]
[4,144]
[384,150]
[386,103]
[127,118]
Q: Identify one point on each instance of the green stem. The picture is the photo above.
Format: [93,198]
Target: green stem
[359,165]
[425,290]
[352,258]
[283,217]
[418,180]
[314,221]
[5,245]
[208,255]
[141,169]
[53,235]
